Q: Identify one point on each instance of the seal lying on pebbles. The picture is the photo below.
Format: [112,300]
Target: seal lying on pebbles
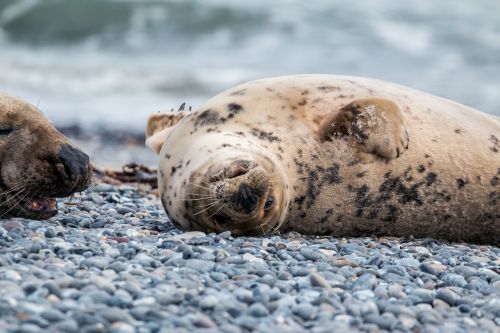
[37,163]
[337,155]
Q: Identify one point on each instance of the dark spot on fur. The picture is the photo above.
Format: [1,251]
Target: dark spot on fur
[494,181]
[331,175]
[209,117]
[328,88]
[234,108]
[443,196]
[458,131]
[312,187]
[403,193]
[302,102]
[325,218]
[225,145]
[363,198]
[174,169]
[496,144]
[167,156]
[262,135]
[361,174]
[240,133]
[302,215]
[494,198]
[461,183]
[430,178]
[300,200]
[421,168]
[392,214]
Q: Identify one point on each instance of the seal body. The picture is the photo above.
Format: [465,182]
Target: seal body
[321,154]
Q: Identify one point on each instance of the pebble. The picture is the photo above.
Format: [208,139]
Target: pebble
[448,296]
[258,310]
[113,263]
[208,302]
[318,281]
[305,311]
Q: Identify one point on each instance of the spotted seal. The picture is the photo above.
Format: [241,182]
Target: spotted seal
[37,163]
[336,155]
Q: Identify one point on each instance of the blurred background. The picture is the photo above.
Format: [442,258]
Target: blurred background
[105,65]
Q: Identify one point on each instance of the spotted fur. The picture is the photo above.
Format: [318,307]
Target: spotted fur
[333,155]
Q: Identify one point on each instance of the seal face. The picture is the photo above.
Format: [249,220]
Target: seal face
[37,163]
[321,154]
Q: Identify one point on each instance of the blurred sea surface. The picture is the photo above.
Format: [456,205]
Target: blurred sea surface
[113,62]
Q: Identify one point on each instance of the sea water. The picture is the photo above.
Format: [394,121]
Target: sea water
[113,62]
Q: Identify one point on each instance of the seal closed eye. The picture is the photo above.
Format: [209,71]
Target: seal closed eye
[336,155]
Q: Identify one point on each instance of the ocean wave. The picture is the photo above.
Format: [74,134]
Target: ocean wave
[99,60]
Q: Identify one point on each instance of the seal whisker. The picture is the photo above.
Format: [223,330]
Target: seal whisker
[203,187]
[18,200]
[13,197]
[16,188]
[197,196]
[218,210]
[210,206]
[195,199]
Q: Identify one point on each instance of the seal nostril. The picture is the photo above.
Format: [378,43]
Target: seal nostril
[73,166]
[246,198]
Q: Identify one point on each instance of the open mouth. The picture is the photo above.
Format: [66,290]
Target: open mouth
[40,205]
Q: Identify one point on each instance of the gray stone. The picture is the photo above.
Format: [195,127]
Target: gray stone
[258,310]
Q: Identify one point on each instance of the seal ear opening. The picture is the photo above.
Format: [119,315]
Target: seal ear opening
[372,125]
[159,125]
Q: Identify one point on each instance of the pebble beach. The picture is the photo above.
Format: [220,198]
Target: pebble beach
[111,262]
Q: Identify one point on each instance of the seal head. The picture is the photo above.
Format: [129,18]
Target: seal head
[37,163]
[238,187]
[242,194]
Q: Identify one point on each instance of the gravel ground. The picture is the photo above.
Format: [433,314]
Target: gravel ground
[110,263]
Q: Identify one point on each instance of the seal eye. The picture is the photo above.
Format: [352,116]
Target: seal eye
[4,131]
[269,203]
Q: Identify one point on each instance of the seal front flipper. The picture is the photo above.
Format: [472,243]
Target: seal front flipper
[159,126]
[373,126]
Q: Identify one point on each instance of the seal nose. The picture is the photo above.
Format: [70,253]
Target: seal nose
[246,198]
[73,167]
